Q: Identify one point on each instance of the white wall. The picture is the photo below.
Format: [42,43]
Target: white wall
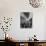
[12,8]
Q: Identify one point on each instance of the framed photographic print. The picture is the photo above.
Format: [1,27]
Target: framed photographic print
[26,19]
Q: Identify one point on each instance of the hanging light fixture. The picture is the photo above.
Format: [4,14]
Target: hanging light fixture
[36,3]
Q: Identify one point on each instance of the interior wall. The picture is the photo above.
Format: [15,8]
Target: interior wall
[13,8]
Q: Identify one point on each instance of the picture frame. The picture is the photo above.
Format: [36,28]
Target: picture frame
[26,19]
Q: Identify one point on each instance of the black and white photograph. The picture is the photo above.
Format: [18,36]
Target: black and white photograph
[26,19]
